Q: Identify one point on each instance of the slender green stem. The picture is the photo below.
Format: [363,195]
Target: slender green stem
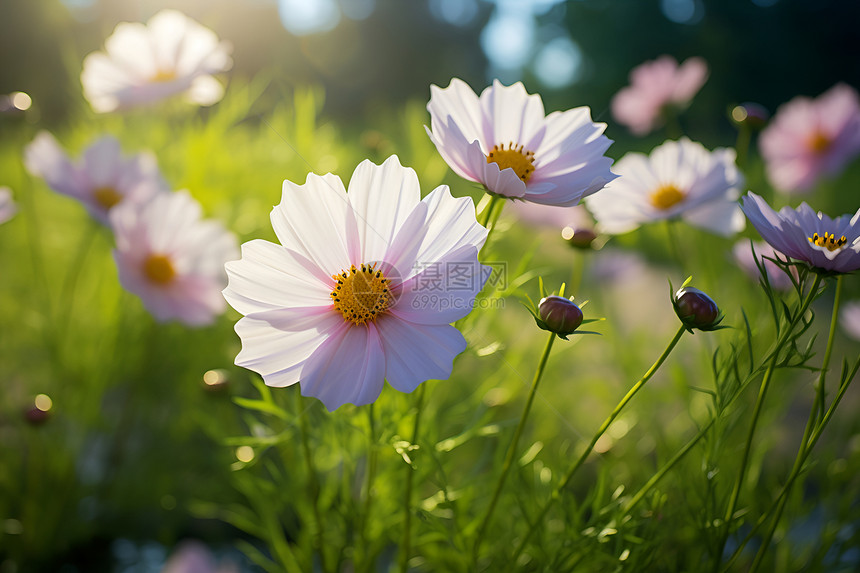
[488,210]
[74,271]
[816,413]
[559,489]
[512,450]
[674,243]
[368,489]
[765,383]
[313,484]
[405,547]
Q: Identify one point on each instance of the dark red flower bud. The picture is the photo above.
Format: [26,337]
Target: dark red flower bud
[696,309]
[560,315]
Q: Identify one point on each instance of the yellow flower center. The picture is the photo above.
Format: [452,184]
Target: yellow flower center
[522,162]
[107,197]
[819,143]
[361,294]
[667,196]
[828,241]
[159,269]
[163,76]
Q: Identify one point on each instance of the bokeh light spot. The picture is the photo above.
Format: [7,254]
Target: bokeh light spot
[558,64]
[43,402]
[21,101]
[303,17]
[245,454]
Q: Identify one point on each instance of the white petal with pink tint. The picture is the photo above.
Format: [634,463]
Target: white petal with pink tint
[302,324]
[567,162]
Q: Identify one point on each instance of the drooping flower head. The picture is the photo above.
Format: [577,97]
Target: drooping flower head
[680,179]
[7,205]
[102,179]
[362,288]
[746,258]
[827,245]
[503,141]
[812,138]
[172,259]
[654,86]
[142,64]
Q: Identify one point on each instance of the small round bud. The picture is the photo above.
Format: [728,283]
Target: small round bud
[560,315]
[751,115]
[696,309]
[579,238]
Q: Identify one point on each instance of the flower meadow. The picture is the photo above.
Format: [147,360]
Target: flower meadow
[465,334]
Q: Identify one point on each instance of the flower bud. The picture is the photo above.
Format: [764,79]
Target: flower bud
[696,309]
[579,238]
[560,315]
[751,115]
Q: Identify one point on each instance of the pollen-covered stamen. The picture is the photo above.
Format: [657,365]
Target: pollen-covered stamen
[159,269]
[107,197]
[828,241]
[521,161]
[361,294]
[819,142]
[667,196]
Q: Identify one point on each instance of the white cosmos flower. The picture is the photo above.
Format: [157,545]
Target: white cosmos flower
[503,141]
[7,205]
[362,288]
[680,179]
[143,64]
[171,259]
[102,179]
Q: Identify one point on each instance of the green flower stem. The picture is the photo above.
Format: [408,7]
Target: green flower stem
[817,413]
[405,547]
[765,383]
[488,210]
[557,492]
[313,484]
[512,449]
[365,552]
[798,467]
[72,274]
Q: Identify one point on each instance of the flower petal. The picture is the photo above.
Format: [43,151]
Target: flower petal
[349,367]
[415,353]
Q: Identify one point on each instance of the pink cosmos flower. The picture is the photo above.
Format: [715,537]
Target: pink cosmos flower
[825,244]
[680,179]
[812,138]
[7,205]
[142,64]
[503,141]
[194,557]
[654,86]
[171,259]
[746,260]
[362,288]
[102,178]
[849,318]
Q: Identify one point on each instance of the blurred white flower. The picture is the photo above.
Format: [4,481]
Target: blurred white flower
[812,138]
[172,259]
[655,86]
[102,179]
[849,318]
[143,64]
[7,205]
[503,141]
[680,179]
[363,287]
